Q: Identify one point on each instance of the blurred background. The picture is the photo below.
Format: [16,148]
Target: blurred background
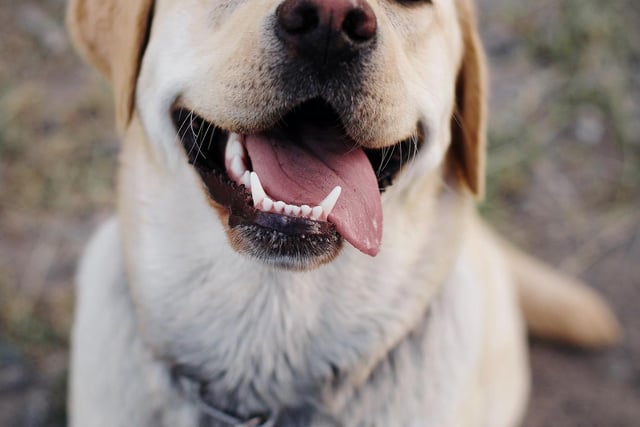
[564,183]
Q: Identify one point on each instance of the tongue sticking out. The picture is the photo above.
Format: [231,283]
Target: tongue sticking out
[303,165]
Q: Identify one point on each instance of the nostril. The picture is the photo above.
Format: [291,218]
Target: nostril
[297,17]
[360,24]
[325,31]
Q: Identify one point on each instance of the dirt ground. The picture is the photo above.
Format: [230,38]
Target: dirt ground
[564,182]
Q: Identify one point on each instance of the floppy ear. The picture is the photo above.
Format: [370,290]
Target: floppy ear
[112,35]
[468,126]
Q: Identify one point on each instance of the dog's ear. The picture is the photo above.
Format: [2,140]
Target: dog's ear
[468,126]
[112,35]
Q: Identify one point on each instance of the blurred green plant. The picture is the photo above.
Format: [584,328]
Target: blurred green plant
[588,52]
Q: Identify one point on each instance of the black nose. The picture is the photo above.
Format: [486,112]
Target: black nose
[325,31]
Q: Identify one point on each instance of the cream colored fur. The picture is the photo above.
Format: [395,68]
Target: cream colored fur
[427,333]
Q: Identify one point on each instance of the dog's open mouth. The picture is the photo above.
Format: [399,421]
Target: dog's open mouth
[300,185]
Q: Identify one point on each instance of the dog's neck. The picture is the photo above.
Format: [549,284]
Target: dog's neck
[213,413]
[344,397]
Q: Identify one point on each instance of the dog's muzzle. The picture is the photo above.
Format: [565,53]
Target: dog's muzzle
[299,187]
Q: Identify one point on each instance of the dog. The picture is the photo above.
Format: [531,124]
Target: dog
[296,242]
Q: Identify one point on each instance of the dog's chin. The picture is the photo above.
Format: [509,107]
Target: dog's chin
[278,203]
[280,240]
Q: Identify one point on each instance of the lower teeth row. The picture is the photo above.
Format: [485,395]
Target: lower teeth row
[236,168]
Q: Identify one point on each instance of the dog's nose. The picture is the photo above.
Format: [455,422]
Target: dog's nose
[326,31]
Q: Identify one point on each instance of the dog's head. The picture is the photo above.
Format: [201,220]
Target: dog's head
[295,115]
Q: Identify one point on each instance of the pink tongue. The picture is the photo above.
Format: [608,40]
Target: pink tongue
[304,167]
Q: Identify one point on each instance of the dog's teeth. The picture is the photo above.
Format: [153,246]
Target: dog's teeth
[292,210]
[246,179]
[234,150]
[316,213]
[288,210]
[237,168]
[264,203]
[234,147]
[267,204]
[330,201]
[257,192]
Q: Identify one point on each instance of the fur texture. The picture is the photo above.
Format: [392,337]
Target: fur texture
[428,333]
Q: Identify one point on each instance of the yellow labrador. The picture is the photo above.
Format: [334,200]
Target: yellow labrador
[296,242]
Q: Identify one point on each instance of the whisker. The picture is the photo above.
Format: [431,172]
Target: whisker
[213,131]
[382,160]
[388,159]
[182,123]
[195,138]
[199,145]
[414,145]
[193,134]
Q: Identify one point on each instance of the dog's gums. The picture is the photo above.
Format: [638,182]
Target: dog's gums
[295,190]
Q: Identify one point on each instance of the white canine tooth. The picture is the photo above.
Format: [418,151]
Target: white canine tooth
[279,206]
[316,213]
[257,192]
[305,210]
[267,204]
[246,179]
[288,210]
[295,210]
[330,201]
[237,167]
[234,147]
